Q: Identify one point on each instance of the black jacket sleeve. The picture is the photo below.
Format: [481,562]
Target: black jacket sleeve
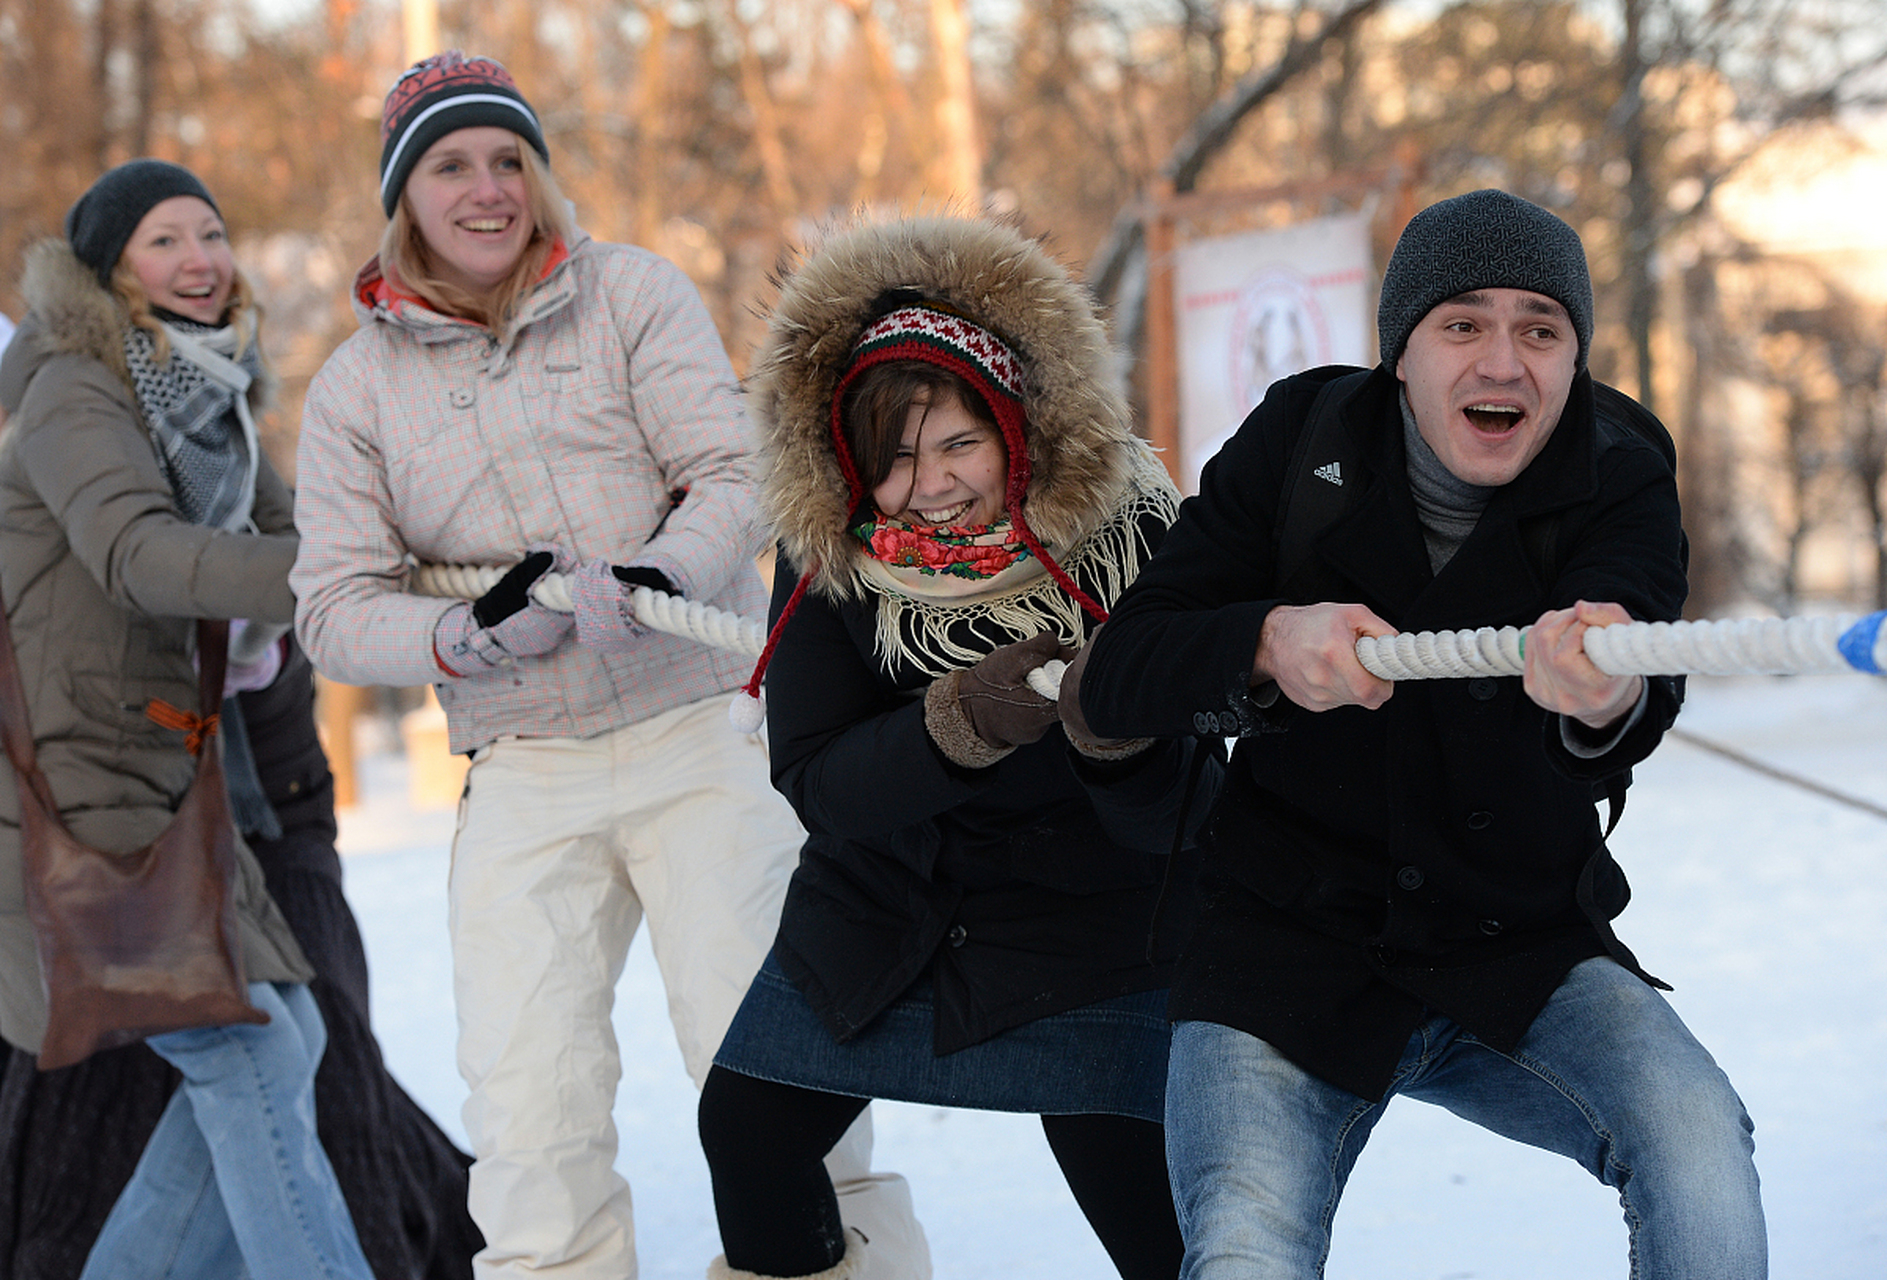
[1179,643]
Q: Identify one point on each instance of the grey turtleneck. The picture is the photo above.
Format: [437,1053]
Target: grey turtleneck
[1449,506]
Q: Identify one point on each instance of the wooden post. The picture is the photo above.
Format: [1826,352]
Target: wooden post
[434,775]
[1162,331]
[336,706]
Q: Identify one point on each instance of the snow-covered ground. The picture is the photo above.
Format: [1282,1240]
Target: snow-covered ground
[1763,904]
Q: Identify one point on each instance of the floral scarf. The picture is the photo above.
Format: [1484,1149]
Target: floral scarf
[937,620]
[974,553]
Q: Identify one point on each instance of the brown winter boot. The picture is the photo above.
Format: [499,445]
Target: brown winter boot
[850,1267]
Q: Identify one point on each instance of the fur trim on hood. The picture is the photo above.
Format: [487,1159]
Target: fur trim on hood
[1082,450]
[76,316]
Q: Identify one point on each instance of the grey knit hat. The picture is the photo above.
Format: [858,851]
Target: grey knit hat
[1482,240]
[100,222]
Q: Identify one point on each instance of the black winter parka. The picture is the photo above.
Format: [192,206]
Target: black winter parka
[1035,886]
[1440,854]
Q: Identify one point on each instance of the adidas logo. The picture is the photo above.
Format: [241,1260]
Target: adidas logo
[1331,471]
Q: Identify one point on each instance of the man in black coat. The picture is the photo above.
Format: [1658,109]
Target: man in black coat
[1409,890]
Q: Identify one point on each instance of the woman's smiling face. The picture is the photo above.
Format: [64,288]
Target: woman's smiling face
[180,254]
[468,199]
[951,468]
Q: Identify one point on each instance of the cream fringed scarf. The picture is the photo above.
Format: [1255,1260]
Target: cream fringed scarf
[942,630]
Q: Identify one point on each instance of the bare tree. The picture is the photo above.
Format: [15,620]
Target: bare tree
[1206,137]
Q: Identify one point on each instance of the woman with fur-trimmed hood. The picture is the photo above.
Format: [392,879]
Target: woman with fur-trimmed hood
[988,902]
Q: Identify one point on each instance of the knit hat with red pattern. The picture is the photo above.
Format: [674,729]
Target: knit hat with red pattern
[442,93]
[935,336]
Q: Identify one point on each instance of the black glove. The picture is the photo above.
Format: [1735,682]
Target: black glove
[513,591]
[639,575]
[504,624]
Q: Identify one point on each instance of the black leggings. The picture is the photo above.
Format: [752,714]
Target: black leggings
[766,1144]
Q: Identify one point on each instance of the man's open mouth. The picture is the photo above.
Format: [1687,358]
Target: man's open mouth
[1493,418]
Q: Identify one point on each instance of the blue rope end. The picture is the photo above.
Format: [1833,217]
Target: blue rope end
[1858,642]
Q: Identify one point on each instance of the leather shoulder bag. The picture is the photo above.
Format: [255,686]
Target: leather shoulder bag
[134,944]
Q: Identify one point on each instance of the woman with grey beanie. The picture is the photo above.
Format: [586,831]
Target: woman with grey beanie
[136,502]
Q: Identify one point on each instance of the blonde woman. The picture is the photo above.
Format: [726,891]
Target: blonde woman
[136,501]
[520,394]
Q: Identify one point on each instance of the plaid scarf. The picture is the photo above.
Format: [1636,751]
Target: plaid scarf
[190,407]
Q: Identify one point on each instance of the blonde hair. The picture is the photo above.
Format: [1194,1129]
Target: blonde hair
[137,304]
[406,259]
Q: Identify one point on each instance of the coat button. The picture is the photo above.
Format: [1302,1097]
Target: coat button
[1409,877]
[1490,927]
[1203,722]
[958,935]
[1480,820]
[1482,688]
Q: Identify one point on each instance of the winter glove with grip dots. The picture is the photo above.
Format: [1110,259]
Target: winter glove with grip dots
[503,625]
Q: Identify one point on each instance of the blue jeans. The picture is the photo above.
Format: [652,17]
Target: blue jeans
[233,1182]
[1259,1150]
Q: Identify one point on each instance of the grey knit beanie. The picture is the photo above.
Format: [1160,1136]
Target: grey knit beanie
[100,222]
[1482,240]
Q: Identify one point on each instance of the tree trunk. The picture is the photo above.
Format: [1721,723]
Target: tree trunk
[651,137]
[766,122]
[1639,227]
[147,55]
[959,164]
[1706,463]
[889,102]
[420,29]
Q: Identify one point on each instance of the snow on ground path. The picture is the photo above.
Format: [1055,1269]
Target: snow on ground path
[1762,904]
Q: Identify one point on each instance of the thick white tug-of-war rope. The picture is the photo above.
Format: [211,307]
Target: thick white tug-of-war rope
[1730,647]
[1046,679]
[656,609]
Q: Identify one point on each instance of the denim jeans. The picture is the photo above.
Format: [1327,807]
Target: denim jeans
[233,1182]
[1259,1150]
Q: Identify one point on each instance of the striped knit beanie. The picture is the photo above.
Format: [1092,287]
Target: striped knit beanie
[933,335]
[445,92]
[1482,240]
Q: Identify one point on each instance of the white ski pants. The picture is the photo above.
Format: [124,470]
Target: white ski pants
[564,845]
